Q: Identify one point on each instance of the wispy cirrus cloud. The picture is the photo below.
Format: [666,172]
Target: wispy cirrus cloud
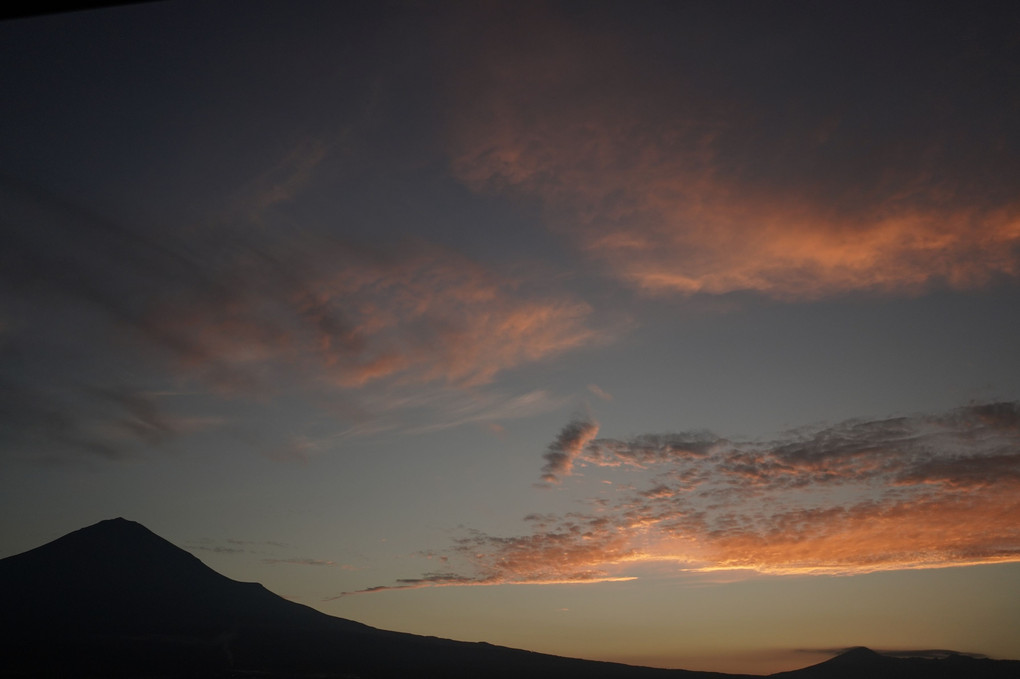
[427,314]
[262,547]
[305,561]
[245,312]
[234,546]
[922,491]
[578,550]
[111,423]
[356,315]
[467,406]
[694,179]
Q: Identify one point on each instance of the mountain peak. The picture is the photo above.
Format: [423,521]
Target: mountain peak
[115,599]
[857,658]
[109,546]
[119,527]
[857,661]
[857,653]
[117,576]
[117,521]
[119,524]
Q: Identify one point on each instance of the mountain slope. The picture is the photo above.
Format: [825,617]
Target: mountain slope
[116,600]
[118,577]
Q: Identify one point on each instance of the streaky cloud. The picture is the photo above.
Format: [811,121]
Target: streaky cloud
[231,312]
[679,185]
[907,492]
[301,562]
[568,445]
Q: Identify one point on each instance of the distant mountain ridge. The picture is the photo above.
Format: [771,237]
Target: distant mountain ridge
[116,600]
[864,663]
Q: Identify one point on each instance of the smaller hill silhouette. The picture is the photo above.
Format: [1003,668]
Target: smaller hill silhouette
[864,663]
[115,600]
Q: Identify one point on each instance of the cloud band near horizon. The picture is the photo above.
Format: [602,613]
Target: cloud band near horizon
[922,491]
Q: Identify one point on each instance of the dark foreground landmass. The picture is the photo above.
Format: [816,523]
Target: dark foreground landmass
[115,600]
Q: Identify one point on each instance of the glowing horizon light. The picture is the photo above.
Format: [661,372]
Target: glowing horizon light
[919,492]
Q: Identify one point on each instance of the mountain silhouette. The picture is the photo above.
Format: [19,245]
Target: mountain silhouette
[118,577]
[116,600]
[864,663]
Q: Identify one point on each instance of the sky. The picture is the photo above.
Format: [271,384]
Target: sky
[671,333]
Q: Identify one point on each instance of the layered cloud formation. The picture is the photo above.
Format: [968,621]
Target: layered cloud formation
[675,174]
[861,496]
[107,319]
[418,313]
[753,171]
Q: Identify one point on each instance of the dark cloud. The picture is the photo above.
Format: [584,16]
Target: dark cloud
[569,444]
[651,449]
[63,423]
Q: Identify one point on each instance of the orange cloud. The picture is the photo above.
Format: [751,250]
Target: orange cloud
[353,316]
[679,185]
[451,580]
[433,315]
[577,552]
[860,496]
[797,252]
[938,530]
